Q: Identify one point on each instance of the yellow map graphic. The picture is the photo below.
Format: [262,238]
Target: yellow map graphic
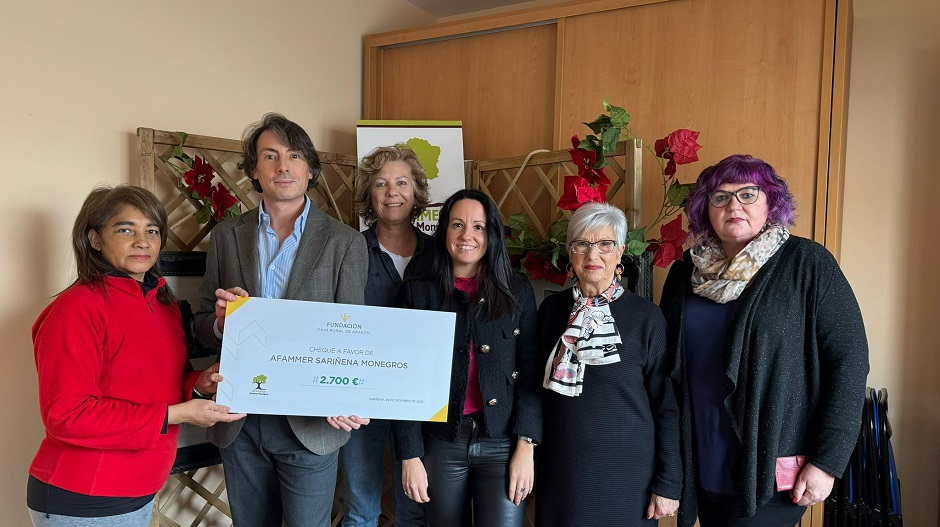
[427,153]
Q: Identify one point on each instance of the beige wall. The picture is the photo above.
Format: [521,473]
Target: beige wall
[890,249]
[78,78]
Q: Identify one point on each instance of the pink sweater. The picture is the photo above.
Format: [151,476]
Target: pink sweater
[110,360]
[474,401]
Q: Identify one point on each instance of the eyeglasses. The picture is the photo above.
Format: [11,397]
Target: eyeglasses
[583,246]
[744,195]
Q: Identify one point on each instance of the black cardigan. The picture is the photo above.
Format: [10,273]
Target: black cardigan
[509,376]
[797,358]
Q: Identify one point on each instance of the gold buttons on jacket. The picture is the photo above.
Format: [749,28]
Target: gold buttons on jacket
[492,402]
[485,348]
[516,332]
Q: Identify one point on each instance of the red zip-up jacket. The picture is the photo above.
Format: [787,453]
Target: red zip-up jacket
[110,360]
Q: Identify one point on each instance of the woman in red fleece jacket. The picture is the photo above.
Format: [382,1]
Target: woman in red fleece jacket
[113,379]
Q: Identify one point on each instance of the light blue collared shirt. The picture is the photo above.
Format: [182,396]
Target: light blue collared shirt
[275,260]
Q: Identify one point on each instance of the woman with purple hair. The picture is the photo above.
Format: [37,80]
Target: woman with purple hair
[769,352]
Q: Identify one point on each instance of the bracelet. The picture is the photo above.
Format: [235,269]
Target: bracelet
[529,440]
[200,394]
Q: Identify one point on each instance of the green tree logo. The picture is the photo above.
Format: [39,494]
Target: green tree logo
[259,380]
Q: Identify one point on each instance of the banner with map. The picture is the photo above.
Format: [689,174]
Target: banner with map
[439,147]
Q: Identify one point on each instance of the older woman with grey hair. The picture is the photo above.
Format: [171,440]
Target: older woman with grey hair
[610,444]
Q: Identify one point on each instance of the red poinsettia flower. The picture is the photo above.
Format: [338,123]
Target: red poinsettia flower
[578,192]
[584,159]
[661,147]
[539,268]
[668,248]
[222,200]
[679,148]
[199,178]
[683,146]
[670,168]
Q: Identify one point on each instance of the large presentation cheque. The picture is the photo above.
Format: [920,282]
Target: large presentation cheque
[287,357]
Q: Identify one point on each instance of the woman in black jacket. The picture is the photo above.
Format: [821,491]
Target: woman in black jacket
[482,457]
[769,352]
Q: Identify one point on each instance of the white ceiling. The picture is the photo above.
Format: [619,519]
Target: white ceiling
[444,8]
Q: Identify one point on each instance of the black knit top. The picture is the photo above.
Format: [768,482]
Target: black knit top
[607,450]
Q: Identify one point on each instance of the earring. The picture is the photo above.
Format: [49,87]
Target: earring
[570,271]
[619,271]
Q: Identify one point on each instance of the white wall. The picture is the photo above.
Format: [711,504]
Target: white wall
[78,78]
[890,249]
[502,9]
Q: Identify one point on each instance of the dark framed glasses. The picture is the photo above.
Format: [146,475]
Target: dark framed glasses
[744,195]
[583,246]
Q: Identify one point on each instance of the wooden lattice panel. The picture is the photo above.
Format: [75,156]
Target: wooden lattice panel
[534,190]
[333,193]
[197,499]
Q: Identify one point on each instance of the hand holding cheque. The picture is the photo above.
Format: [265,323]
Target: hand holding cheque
[289,357]
[223,297]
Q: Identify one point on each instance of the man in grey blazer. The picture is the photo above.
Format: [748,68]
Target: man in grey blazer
[280,469]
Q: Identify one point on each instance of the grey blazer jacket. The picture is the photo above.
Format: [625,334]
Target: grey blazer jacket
[331,266]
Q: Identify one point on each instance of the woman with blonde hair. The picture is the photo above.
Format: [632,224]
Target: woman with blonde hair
[391,192]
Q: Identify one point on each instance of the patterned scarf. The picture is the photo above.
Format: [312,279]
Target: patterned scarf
[723,279]
[590,339]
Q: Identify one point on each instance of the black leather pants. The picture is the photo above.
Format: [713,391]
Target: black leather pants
[471,473]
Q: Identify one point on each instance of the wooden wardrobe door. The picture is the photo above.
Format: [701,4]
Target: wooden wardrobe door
[501,85]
